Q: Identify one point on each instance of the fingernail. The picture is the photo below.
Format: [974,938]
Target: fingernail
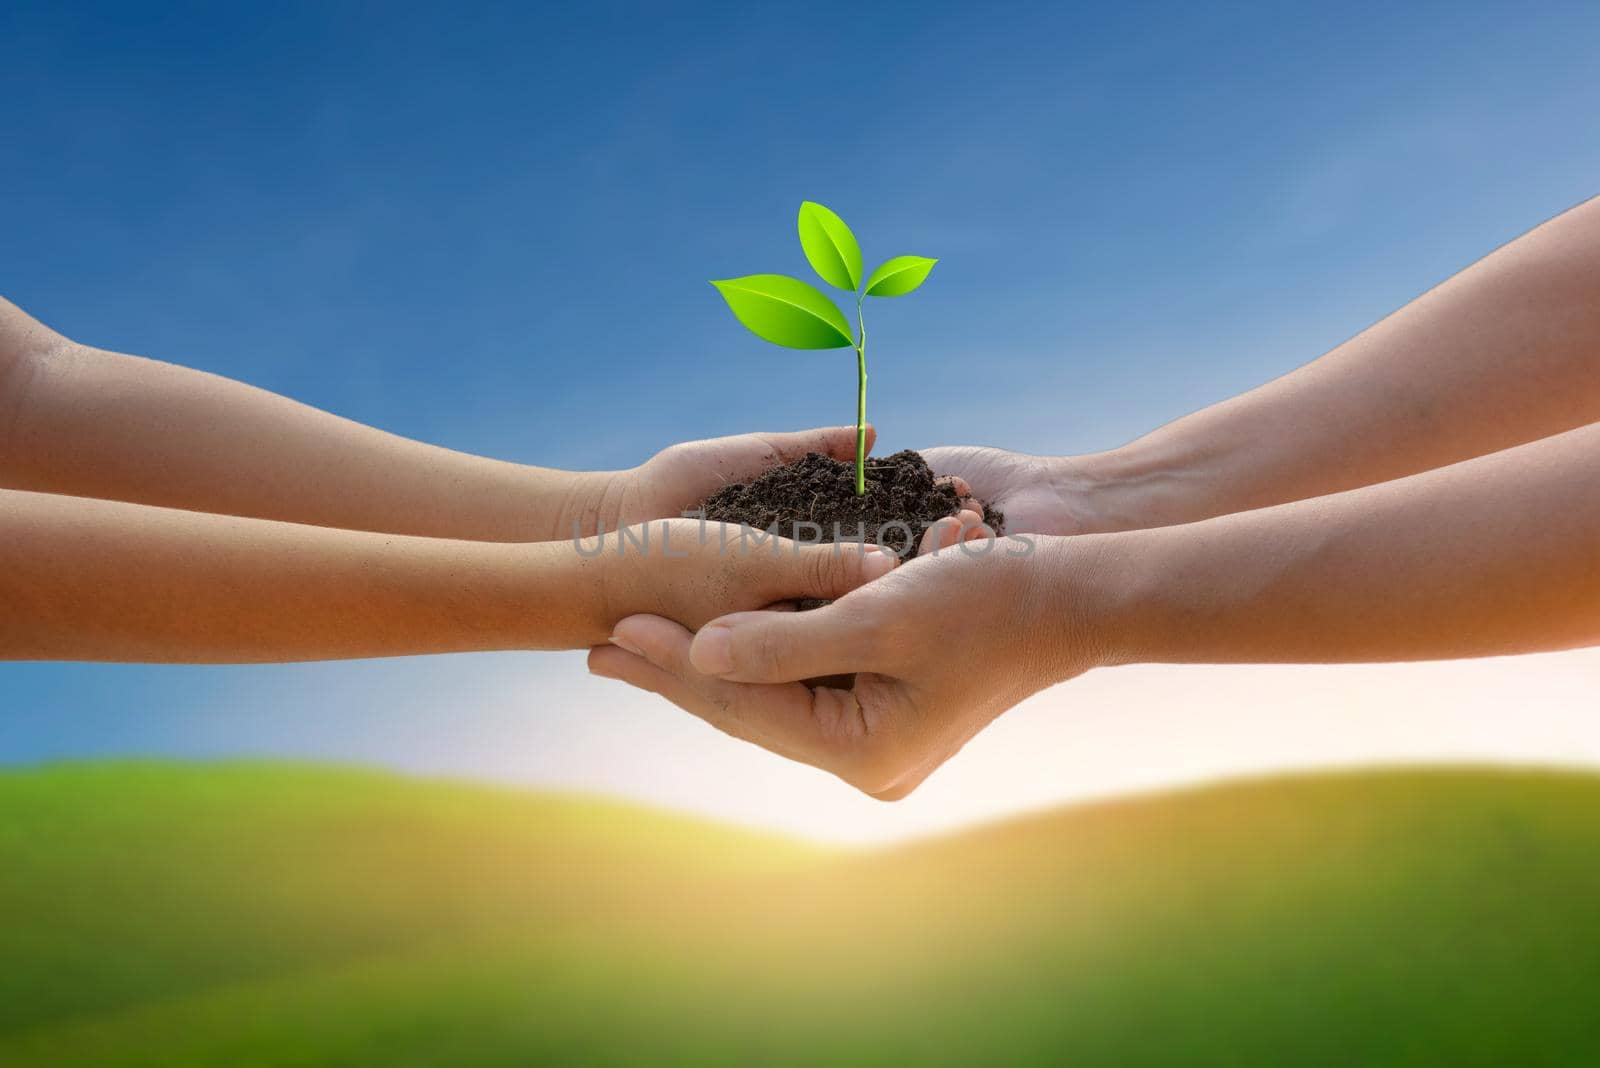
[876,562]
[625,645]
[712,651]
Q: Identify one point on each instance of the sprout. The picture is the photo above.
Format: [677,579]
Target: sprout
[798,315]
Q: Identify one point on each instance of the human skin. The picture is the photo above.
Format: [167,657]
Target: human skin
[85,579]
[87,422]
[1495,555]
[151,512]
[1501,354]
[1431,489]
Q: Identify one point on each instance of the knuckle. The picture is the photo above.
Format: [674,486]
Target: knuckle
[841,725]
[769,650]
[890,753]
[858,740]
[820,570]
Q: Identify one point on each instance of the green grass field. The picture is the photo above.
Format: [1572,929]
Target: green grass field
[262,914]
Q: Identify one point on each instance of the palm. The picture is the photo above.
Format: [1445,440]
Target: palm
[677,479]
[1023,487]
[681,477]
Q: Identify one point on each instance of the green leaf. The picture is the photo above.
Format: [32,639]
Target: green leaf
[830,247]
[786,311]
[899,276]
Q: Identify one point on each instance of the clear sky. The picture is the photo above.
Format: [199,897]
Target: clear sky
[491,228]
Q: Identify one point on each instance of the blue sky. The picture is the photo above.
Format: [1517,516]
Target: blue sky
[491,227]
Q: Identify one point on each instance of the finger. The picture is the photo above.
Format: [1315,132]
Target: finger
[977,531]
[963,490]
[790,570]
[614,662]
[838,731]
[740,457]
[780,718]
[753,702]
[772,647]
[947,532]
[838,442]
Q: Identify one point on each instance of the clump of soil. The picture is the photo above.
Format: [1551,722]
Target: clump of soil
[903,500]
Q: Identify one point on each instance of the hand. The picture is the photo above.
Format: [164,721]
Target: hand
[1037,494]
[692,572]
[678,478]
[913,705]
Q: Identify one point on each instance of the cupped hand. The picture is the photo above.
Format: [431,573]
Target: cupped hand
[939,646]
[678,478]
[1037,494]
[691,571]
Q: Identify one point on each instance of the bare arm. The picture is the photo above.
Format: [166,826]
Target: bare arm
[1495,555]
[92,423]
[1506,352]
[85,579]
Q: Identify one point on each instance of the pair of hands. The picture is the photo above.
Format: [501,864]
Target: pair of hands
[894,625]
[1039,495]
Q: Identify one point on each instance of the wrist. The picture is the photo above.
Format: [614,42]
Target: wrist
[558,594]
[1084,603]
[1147,483]
[584,504]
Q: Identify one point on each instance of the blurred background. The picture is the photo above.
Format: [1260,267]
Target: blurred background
[490,226]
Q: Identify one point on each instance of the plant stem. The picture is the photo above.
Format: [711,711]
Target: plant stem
[861,401]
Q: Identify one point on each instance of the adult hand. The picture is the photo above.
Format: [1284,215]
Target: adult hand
[1037,494]
[914,704]
[678,478]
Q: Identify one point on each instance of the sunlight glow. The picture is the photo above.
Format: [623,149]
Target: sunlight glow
[1112,732]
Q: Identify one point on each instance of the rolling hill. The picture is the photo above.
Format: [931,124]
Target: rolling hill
[274,914]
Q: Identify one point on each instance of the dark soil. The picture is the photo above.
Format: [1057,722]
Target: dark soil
[903,500]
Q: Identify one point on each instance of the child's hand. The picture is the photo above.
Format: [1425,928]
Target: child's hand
[678,478]
[692,572]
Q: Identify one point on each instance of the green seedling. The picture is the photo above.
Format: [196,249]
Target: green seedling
[798,315]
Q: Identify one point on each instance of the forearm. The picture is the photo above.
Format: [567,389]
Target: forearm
[1501,354]
[1496,555]
[102,580]
[91,423]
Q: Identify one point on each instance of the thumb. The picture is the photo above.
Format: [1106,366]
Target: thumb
[838,442]
[825,571]
[773,647]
